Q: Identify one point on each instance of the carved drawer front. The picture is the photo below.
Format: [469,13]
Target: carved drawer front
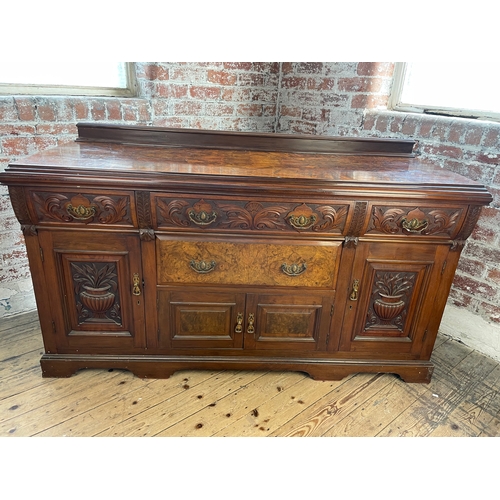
[114,208]
[246,215]
[223,262]
[415,220]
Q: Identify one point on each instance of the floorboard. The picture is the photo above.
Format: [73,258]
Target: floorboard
[462,400]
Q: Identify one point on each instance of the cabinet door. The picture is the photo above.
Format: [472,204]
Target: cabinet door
[288,321]
[191,319]
[94,283]
[391,297]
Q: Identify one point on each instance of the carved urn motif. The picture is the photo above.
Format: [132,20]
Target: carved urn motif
[97,300]
[388,306]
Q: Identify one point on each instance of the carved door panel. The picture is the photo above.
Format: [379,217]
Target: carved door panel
[288,321]
[391,297]
[95,286]
[190,318]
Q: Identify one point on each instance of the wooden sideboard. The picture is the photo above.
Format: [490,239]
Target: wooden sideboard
[156,250]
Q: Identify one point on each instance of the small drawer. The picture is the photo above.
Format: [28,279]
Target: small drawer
[267,264]
[232,214]
[83,207]
[443,221]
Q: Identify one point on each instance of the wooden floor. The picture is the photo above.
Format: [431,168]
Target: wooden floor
[463,399]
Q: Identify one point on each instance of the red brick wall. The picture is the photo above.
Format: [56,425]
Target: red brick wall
[338,98]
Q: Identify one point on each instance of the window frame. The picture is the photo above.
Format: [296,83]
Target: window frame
[396,104]
[75,90]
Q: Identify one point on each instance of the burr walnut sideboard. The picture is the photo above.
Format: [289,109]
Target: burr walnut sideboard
[156,250]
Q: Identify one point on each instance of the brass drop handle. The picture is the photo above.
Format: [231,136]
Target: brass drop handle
[293,269]
[202,218]
[80,212]
[239,323]
[202,266]
[250,326]
[414,225]
[301,221]
[136,289]
[354,292]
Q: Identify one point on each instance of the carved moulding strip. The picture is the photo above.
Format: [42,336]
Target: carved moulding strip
[468,226]
[79,208]
[144,216]
[357,223]
[425,221]
[19,205]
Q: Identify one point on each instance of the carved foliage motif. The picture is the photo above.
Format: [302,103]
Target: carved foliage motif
[251,215]
[144,216]
[79,208]
[425,221]
[96,292]
[389,301]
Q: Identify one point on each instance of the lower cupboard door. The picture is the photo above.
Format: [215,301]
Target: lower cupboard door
[190,319]
[288,321]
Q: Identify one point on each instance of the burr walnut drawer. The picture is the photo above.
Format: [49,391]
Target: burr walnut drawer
[239,263]
[110,208]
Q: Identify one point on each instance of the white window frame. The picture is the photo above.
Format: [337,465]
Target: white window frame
[396,103]
[72,90]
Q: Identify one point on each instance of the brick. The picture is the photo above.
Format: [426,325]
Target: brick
[489,158]
[410,125]
[205,92]
[97,110]
[221,77]
[375,69]
[291,111]
[171,122]
[267,67]
[493,276]
[369,121]
[316,114]
[286,67]
[18,146]
[397,123]
[369,101]
[249,109]
[8,112]
[458,298]
[456,131]
[442,150]
[114,110]
[16,129]
[426,126]
[56,129]
[82,109]
[171,90]
[219,109]
[382,123]
[188,74]
[365,85]
[155,72]
[308,67]
[294,82]
[46,111]
[188,108]
[246,66]
[491,311]
[252,79]
[492,137]
[473,286]
[129,111]
[321,83]
[473,135]
[440,131]
[25,108]
[481,252]
[471,267]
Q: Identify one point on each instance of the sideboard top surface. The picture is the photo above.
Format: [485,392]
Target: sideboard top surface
[123,161]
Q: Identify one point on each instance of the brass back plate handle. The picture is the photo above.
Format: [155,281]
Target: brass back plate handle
[251,327]
[136,290]
[202,267]
[354,292]
[239,322]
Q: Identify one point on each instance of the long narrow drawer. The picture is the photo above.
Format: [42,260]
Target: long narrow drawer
[224,262]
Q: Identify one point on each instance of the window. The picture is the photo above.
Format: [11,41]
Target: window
[69,78]
[461,89]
